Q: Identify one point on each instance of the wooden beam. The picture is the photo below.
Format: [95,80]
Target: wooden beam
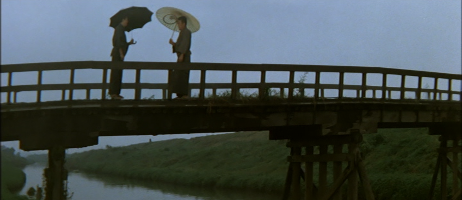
[353,178]
[339,182]
[435,176]
[202,85]
[288,183]
[321,158]
[296,190]
[323,170]
[444,191]
[327,140]
[337,169]
[365,181]
[309,191]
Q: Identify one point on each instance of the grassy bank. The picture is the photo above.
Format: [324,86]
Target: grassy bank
[400,162]
[12,176]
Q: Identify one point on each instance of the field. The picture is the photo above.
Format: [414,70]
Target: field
[399,162]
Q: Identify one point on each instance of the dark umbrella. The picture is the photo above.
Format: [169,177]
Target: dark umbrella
[137,17]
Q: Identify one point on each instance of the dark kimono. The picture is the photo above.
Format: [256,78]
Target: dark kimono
[181,77]
[119,41]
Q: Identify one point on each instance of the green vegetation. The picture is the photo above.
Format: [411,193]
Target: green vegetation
[38,158]
[12,177]
[399,162]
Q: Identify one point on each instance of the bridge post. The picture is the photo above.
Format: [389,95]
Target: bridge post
[322,150]
[55,174]
[444,162]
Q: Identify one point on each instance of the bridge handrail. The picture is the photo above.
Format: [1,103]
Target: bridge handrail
[234,86]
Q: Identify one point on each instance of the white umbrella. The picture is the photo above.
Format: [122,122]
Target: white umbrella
[168,16]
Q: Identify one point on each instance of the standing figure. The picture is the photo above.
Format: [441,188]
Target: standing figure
[182,50]
[119,50]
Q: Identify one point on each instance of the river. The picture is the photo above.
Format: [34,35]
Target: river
[96,186]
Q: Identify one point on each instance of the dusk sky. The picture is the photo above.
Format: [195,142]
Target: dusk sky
[413,34]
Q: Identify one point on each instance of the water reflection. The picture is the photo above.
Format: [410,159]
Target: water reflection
[96,186]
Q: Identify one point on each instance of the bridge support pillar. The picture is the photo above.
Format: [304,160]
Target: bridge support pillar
[334,152]
[448,157]
[56,175]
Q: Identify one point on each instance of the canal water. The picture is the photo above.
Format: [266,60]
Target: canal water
[100,187]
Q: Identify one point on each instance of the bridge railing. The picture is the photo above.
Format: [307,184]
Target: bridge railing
[386,89]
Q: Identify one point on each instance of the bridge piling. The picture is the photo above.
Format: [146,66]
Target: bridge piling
[317,150]
[444,162]
[55,174]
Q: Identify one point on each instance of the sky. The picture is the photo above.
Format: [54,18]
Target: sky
[413,34]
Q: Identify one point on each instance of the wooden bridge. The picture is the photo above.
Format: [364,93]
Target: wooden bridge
[325,109]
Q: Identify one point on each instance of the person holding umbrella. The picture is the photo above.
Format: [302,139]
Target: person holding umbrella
[119,50]
[124,20]
[181,48]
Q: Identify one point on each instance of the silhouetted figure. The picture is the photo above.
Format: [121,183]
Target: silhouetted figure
[182,50]
[119,50]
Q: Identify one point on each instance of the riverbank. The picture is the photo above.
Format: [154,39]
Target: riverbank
[400,162]
[12,176]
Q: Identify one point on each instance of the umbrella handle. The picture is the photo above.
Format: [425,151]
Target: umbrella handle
[173,31]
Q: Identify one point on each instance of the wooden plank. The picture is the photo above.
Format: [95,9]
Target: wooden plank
[234,88]
[71,82]
[202,85]
[363,85]
[288,182]
[365,181]
[63,95]
[218,66]
[337,170]
[435,176]
[340,85]
[327,140]
[170,84]
[339,182]
[262,92]
[164,94]
[384,86]
[87,94]
[444,191]
[296,192]
[291,83]
[104,85]
[10,79]
[455,172]
[353,178]
[18,88]
[450,90]
[294,132]
[341,157]
[419,89]
[316,87]
[455,168]
[39,82]
[309,192]
[403,84]
[435,89]
[322,171]
[137,84]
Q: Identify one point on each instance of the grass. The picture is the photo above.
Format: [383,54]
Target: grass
[399,162]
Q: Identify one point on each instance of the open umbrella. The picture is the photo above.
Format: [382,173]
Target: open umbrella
[137,17]
[168,16]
